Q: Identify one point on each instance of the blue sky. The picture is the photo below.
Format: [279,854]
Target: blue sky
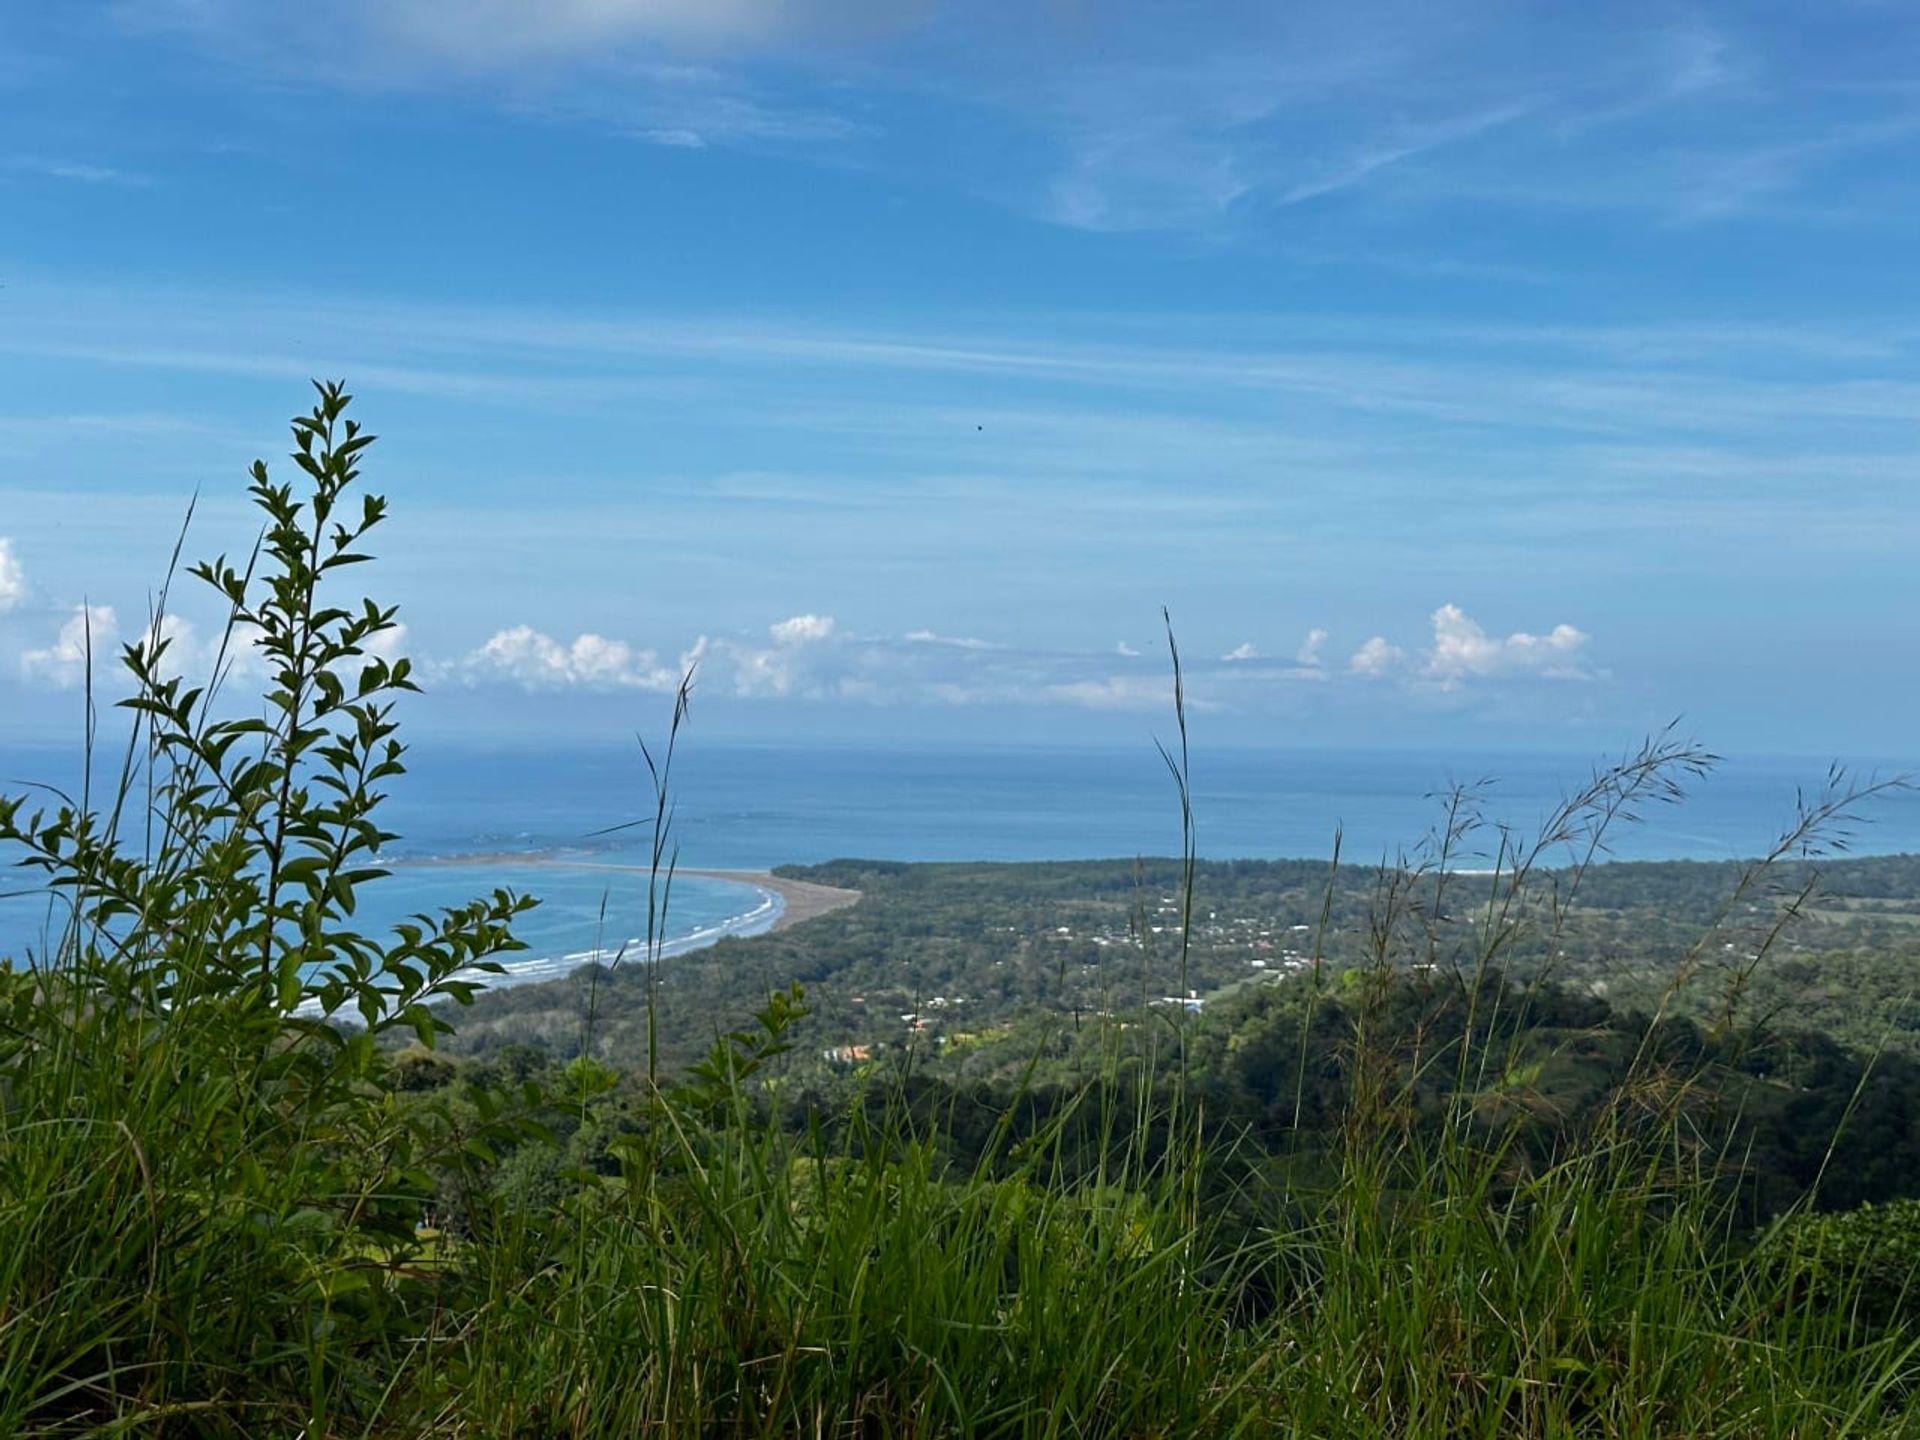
[1473,375]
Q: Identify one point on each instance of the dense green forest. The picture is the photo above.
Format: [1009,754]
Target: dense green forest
[1155,1148]
[973,964]
[980,979]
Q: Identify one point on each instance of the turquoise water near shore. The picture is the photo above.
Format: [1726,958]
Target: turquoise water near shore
[584,915]
[739,807]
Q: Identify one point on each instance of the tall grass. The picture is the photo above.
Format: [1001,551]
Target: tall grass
[215,1206]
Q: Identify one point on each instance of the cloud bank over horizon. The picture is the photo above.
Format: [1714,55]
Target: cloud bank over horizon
[810,658]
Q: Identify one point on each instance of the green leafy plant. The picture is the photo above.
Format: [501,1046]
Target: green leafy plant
[175,1088]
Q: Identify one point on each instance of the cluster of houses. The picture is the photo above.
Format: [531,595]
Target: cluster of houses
[1275,948]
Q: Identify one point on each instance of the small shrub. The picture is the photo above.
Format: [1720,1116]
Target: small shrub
[210,1199]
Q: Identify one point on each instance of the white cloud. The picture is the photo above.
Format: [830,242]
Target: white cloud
[237,653]
[693,107]
[388,644]
[1462,649]
[1147,118]
[1217,127]
[801,630]
[811,658]
[75,170]
[799,661]
[1355,169]
[647,69]
[674,138]
[534,660]
[63,663]
[182,640]
[762,672]
[1377,657]
[958,642]
[91,629]
[13,579]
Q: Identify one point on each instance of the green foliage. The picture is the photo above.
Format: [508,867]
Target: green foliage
[719,1079]
[986,939]
[210,1195]
[1867,1258]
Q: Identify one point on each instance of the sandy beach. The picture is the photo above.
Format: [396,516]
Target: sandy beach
[800,899]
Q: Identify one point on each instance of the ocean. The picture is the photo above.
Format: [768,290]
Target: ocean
[753,807]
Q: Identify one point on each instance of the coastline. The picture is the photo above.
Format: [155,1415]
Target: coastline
[783,904]
[800,900]
[797,901]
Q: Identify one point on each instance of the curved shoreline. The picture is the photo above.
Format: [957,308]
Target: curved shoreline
[798,900]
[783,904]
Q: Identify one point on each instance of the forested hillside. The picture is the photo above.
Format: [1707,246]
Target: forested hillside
[977,954]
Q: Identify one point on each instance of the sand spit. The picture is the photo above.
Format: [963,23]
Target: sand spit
[800,900]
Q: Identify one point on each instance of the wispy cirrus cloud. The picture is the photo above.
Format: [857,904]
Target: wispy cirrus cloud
[1422,109]
[1213,118]
[958,642]
[1623,386]
[1382,154]
[81,172]
[681,106]
[507,34]
[679,74]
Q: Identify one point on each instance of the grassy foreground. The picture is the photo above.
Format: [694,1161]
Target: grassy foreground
[222,1215]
